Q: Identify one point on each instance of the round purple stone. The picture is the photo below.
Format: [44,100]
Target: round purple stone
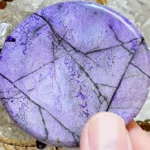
[69,61]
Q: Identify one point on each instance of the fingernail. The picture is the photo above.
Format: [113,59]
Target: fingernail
[105,131]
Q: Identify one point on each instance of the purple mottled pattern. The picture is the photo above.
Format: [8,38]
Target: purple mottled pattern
[69,61]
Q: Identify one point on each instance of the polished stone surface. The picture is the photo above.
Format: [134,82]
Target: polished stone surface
[69,61]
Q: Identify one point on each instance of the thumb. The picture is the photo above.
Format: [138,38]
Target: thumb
[105,131]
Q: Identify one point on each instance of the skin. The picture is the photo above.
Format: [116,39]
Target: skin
[107,131]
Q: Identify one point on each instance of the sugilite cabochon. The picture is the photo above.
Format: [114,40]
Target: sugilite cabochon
[69,61]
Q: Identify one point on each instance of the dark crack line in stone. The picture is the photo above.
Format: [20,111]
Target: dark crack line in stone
[51,27]
[119,84]
[38,105]
[34,32]
[122,44]
[74,49]
[140,70]
[77,51]
[7,98]
[88,76]
[99,50]
[30,90]
[126,67]
[92,60]
[98,96]
[41,66]
[34,71]
[77,139]
[95,85]
[77,144]
[60,39]
[45,76]
[73,134]
[108,85]
[59,44]
[44,124]
[51,62]
[142,39]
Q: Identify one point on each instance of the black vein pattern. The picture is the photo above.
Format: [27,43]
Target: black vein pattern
[59,41]
[44,124]
[73,134]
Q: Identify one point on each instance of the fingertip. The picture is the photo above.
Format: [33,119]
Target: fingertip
[105,131]
[108,115]
[84,142]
